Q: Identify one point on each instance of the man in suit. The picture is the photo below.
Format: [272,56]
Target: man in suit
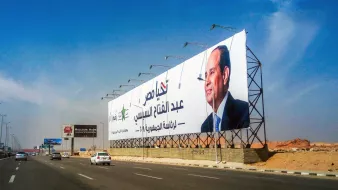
[228,113]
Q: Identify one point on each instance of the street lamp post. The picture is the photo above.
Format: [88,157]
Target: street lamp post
[2,121]
[102,135]
[12,135]
[213,116]
[6,133]
[142,130]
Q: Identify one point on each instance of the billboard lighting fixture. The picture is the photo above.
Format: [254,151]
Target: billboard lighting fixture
[145,74]
[196,44]
[173,56]
[151,66]
[122,85]
[135,80]
[229,28]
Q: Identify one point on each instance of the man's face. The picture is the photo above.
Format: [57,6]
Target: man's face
[215,80]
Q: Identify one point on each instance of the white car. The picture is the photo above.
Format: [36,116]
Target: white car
[100,158]
[65,155]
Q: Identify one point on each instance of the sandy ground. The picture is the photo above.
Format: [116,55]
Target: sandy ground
[312,161]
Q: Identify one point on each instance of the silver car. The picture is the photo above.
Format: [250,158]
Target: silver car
[55,155]
[21,156]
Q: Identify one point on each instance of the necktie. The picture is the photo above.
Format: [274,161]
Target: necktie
[217,121]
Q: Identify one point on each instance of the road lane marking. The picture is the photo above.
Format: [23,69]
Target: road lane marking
[4,158]
[103,167]
[16,168]
[19,163]
[85,176]
[11,180]
[62,167]
[203,176]
[179,169]
[142,168]
[82,163]
[148,176]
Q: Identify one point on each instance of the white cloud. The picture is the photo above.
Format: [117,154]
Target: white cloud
[49,106]
[289,35]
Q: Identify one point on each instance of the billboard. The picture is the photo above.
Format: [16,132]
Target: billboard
[85,131]
[52,141]
[67,131]
[205,93]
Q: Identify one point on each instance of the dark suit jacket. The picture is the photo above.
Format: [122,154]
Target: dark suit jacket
[235,116]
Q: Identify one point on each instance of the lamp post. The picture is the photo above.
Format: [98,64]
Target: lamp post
[5,143]
[142,130]
[12,135]
[2,121]
[102,135]
[213,116]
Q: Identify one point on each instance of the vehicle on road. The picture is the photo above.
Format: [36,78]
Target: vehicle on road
[33,154]
[55,156]
[65,155]
[21,156]
[100,158]
[2,154]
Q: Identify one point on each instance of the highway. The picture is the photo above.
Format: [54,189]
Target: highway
[76,173]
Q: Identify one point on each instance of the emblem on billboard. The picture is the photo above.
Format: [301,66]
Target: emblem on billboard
[68,131]
[124,113]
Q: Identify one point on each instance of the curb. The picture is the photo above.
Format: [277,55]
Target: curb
[240,168]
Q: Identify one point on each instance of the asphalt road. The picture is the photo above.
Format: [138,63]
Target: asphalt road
[77,173]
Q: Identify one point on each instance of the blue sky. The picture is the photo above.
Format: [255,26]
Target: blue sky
[58,58]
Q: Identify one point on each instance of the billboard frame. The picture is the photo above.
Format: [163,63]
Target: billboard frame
[196,140]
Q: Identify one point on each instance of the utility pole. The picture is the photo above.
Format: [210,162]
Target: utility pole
[102,135]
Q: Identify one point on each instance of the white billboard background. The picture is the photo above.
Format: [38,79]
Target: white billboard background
[189,98]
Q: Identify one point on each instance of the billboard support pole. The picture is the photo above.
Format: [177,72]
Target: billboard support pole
[72,147]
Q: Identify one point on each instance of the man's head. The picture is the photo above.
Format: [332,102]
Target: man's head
[217,75]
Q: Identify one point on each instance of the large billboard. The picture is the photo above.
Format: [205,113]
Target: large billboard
[85,131]
[67,131]
[205,93]
[52,141]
